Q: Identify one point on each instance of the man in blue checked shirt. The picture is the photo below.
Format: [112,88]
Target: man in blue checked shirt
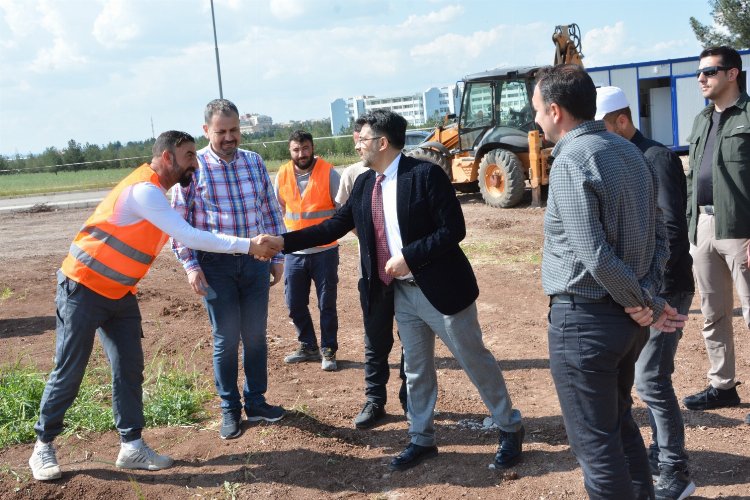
[605,248]
[232,193]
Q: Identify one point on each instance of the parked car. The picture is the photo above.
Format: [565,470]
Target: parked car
[414,138]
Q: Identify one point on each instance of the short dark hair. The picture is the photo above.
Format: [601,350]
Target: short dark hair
[300,136]
[570,87]
[220,106]
[730,58]
[389,124]
[358,124]
[169,140]
[612,115]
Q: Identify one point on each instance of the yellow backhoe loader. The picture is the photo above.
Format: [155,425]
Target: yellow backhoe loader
[494,146]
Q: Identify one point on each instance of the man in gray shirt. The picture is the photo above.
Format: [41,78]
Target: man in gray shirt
[605,249]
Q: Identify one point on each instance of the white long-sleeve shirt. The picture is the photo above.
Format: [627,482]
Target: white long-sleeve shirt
[148,201]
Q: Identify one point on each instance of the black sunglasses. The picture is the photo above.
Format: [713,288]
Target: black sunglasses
[710,70]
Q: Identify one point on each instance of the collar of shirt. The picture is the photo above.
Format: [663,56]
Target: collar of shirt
[587,127]
[215,157]
[392,169]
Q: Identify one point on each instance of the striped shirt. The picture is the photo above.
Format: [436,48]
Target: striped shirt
[603,229]
[234,198]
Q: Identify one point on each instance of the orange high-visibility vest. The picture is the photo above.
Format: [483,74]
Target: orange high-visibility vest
[315,205]
[110,259]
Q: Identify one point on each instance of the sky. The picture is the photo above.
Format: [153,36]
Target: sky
[99,71]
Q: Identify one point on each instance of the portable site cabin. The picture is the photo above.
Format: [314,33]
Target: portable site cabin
[666,93]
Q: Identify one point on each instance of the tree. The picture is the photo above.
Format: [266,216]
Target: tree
[732,24]
[73,155]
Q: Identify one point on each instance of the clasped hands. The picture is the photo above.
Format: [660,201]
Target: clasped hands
[265,246]
[669,321]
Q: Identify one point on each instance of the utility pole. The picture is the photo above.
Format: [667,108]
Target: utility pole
[153,135]
[216,47]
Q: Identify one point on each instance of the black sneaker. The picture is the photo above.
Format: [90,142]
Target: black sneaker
[303,353]
[711,397]
[673,484]
[369,416]
[509,448]
[653,463]
[230,424]
[264,411]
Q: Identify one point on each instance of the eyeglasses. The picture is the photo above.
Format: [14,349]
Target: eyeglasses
[710,71]
[362,140]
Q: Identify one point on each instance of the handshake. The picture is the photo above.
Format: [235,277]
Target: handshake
[265,246]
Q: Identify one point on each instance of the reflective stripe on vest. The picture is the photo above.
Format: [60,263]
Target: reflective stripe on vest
[110,259]
[118,245]
[311,215]
[314,205]
[100,268]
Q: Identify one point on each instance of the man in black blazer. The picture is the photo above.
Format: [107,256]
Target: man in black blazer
[409,224]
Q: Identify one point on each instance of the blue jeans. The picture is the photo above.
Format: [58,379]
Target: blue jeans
[653,381]
[323,269]
[592,354]
[80,313]
[239,311]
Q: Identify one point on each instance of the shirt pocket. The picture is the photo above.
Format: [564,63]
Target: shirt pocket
[693,140]
[735,147]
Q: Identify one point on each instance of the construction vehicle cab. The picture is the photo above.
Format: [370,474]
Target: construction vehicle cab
[495,146]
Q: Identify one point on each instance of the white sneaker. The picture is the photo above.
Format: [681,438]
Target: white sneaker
[329,359]
[142,458]
[43,462]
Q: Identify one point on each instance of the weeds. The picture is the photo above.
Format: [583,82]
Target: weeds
[5,293]
[172,396]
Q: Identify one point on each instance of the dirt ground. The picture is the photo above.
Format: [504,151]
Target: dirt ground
[315,452]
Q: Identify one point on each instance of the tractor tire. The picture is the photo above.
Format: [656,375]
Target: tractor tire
[432,156]
[501,179]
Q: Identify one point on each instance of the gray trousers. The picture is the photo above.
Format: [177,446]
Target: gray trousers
[718,264]
[418,324]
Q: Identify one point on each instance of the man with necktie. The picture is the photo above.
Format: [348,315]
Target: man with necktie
[409,224]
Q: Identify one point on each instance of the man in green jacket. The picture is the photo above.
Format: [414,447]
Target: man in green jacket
[718,212]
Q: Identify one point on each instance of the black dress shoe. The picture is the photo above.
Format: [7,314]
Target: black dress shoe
[509,448]
[369,416]
[412,455]
[711,397]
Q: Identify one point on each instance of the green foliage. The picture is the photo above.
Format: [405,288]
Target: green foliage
[732,18]
[50,182]
[20,393]
[172,396]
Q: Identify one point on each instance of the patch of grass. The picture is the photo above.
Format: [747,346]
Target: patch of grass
[481,252]
[5,293]
[171,396]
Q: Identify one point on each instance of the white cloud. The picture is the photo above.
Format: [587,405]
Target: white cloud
[287,9]
[19,17]
[115,24]
[447,14]
[62,55]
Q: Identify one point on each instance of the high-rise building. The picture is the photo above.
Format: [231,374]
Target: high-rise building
[418,109]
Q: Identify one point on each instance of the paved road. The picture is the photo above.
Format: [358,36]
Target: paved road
[79,199]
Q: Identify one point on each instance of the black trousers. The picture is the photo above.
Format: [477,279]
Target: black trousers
[378,323]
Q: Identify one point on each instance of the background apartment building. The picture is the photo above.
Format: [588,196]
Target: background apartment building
[418,109]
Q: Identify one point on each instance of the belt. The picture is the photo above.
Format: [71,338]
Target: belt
[706,209]
[409,282]
[564,298]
